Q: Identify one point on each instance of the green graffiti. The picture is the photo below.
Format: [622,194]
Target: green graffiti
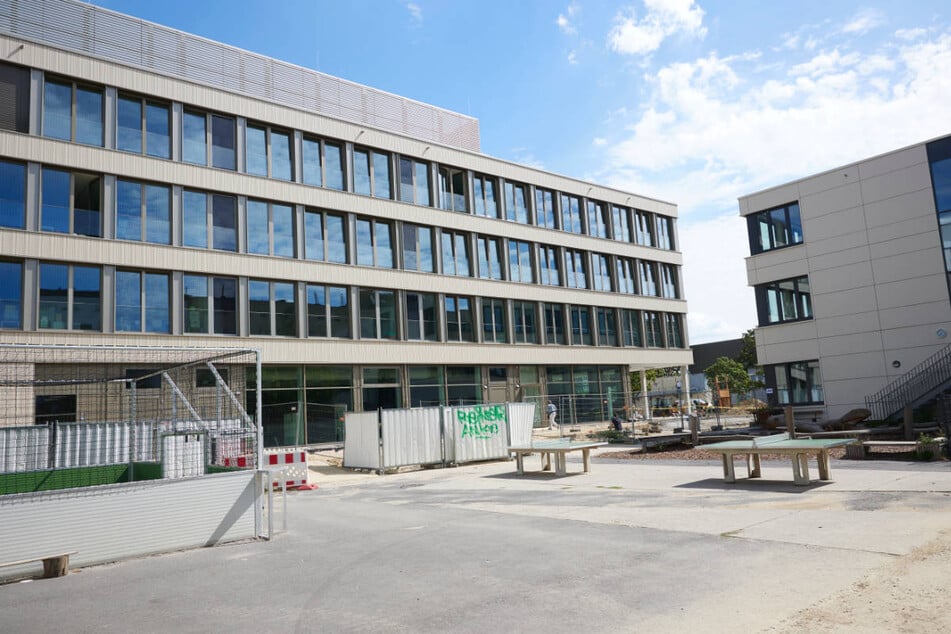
[481,421]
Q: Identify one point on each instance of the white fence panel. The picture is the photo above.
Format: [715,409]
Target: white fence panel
[24,449]
[479,432]
[183,455]
[521,418]
[412,436]
[127,520]
[361,448]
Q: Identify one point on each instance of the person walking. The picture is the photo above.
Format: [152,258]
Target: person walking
[552,413]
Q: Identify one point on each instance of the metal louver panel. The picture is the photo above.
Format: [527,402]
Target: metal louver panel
[91,30]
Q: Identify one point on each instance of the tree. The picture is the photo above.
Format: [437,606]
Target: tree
[747,355]
[652,374]
[730,370]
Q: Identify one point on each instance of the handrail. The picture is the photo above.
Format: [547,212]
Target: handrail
[911,386]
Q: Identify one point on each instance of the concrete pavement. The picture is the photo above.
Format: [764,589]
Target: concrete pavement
[631,546]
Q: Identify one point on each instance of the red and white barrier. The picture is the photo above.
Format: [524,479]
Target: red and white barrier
[293,462]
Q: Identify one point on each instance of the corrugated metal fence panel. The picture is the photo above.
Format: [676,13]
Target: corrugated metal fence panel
[521,418]
[479,432]
[128,520]
[24,449]
[412,436]
[125,39]
[90,444]
[361,446]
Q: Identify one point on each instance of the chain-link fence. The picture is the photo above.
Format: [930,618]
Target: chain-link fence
[77,416]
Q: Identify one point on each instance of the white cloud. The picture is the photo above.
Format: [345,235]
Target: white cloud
[718,128]
[864,21]
[598,141]
[663,18]
[415,12]
[564,20]
[910,34]
[572,57]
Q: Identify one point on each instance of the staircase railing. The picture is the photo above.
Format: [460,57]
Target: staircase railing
[915,384]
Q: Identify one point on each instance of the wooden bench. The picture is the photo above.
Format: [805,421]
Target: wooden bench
[53,565]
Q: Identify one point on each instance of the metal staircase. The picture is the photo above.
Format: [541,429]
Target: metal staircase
[916,386]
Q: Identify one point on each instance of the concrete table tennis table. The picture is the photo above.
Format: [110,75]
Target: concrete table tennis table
[558,448]
[798,448]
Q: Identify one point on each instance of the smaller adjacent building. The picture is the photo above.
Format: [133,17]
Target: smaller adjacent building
[850,270]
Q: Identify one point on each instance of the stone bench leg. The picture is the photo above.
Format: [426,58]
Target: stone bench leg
[561,463]
[520,462]
[729,475]
[585,455]
[546,461]
[823,463]
[800,465]
[753,467]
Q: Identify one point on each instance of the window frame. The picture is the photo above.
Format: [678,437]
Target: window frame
[275,292]
[801,300]
[324,243]
[143,306]
[72,303]
[759,221]
[330,320]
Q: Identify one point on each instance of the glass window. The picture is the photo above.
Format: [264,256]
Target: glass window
[581,332]
[625,276]
[195,219]
[14,98]
[571,214]
[601,272]
[87,301]
[493,320]
[377,314]
[463,385]
[158,138]
[224,215]
[272,308]
[374,243]
[381,389]
[648,274]
[417,248]
[597,219]
[421,317]
[455,254]
[78,193]
[631,328]
[544,208]
[210,304]
[548,265]
[670,288]
[620,227]
[644,228]
[361,172]
[783,301]
[575,269]
[520,262]
[11,294]
[328,311]
[270,228]
[516,202]
[797,383]
[674,328]
[371,173]
[426,386]
[653,335]
[486,196]
[607,327]
[282,165]
[555,324]
[333,165]
[256,151]
[452,189]
[459,319]
[490,258]
[774,228]
[665,232]
[526,329]
[54,296]
[194,138]
[311,162]
[54,215]
[89,111]
[129,124]
[143,212]
[223,142]
[12,195]
[414,181]
[57,110]
[142,298]
[324,237]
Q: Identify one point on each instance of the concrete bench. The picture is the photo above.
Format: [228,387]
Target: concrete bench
[862,449]
[55,565]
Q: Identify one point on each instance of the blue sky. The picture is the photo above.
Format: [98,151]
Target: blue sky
[693,102]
